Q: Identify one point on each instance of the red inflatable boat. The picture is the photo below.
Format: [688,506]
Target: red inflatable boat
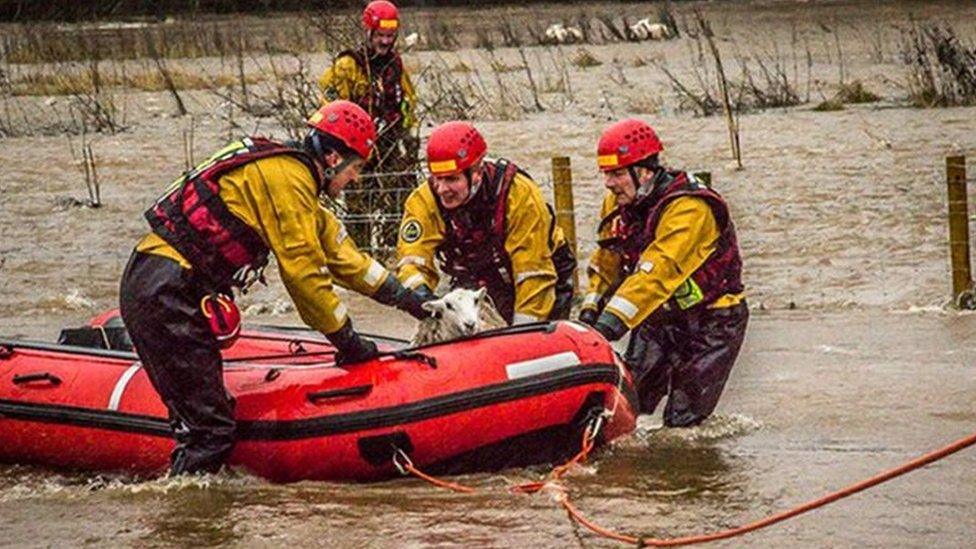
[510,397]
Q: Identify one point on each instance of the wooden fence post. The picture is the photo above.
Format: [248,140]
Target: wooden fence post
[562,190]
[962,281]
[704,177]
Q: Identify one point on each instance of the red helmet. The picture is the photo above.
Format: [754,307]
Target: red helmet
[625,143]
[380,14]
[454,147]
[347,122]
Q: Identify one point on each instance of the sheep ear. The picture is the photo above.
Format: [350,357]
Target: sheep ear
[435,306]
[480,294]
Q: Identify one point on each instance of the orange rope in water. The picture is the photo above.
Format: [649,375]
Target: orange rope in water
[916,463]
[588,443]
[438,482]
[403,463]
[557,472]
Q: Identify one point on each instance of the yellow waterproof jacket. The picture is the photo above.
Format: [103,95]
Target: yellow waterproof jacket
[685,237]
[278,198]
[527,243]
[346,79]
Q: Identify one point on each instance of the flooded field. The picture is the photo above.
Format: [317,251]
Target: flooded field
[852,363]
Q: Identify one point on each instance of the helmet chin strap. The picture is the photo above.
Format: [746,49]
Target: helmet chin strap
[320,150]
[330,172]
[472,188]
[644,189]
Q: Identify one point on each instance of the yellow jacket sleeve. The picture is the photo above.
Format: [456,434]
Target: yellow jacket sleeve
[685,236]
[277,197]
[351,268]
[604,268]
[422,230]
[343,80]
[527,241]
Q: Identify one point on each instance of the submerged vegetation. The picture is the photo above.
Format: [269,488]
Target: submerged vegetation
[941,66]
[266,67]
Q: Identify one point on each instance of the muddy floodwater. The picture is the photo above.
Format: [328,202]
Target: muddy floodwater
[853,362]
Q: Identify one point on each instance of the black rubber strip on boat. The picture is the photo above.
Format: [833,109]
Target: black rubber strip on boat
[85,417]
[326,425]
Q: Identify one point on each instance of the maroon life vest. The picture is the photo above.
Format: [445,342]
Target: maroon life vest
[634,228]
[473,251]
[192,218]
[385,96]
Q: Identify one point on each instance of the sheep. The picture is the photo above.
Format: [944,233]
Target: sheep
[557,33]
[410,40]
[459,313]
[646,30]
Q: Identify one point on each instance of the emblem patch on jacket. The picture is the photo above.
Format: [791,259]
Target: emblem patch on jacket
[411,231]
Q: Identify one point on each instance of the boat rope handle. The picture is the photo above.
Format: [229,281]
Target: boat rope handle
[6,351]
[295,347]
[355,391]
[411,355]
[21,379]
[276,356]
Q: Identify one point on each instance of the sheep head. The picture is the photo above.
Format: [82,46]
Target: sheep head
[458,312]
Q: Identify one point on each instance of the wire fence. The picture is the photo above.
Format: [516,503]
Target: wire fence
[372,210]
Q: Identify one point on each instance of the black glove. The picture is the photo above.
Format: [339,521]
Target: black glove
[411,301]
[588,316]
[350,346]
[610,327]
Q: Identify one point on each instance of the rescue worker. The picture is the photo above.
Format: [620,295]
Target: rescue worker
[373,76]
[211,231]
[485,224]
[667,268]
